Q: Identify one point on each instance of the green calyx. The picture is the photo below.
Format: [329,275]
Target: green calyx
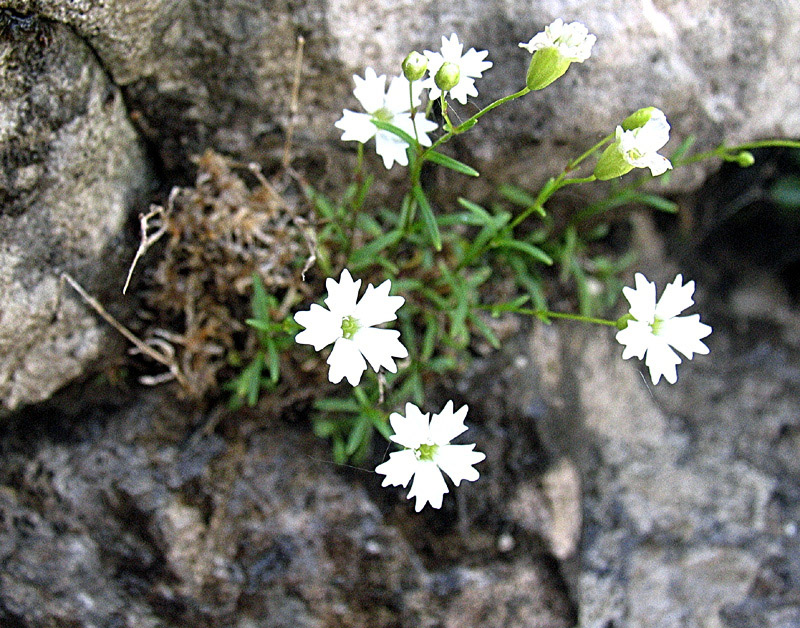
[547,65]
[622,322]
[414,66]
[426,452]
[349,327]
[448,76]
[611,164]
[638,118]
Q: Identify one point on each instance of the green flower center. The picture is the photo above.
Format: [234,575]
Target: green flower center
[349,327]
[426,452]
[656,326]
[383,115]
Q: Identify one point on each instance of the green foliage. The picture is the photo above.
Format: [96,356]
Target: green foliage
[275,338]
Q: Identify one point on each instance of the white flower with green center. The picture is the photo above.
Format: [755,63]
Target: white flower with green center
[640,146]
[554,50]
[392,106]
[350,325]
[636,146]
[427,453]
[655,329]
[460,71]
[572,41]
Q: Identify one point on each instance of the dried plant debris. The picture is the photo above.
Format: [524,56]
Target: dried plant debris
[217,235]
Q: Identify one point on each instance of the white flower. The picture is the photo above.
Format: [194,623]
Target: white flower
[573,41]
[427,453]
[392,106]
[350,326]
[471,66]
[639,146]
[656,328]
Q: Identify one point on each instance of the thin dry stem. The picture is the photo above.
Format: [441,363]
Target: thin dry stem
[148,240]
[162,358]
[298,74]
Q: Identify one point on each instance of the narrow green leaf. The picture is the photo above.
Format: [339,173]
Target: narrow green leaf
[484,329]
[428,218]
[516,195]
[385,126]
[476,210]
[273,360]
[336,405]
[658,202]
[367,253]
[358,434]
[453,164]
[254,379]
[524,247]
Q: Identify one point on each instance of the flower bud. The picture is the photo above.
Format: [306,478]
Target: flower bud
[448,76]
[547,65]
[611,164]
[414,66]
[745,159]
[638,118]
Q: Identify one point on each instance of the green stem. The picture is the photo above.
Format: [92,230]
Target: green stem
[413,111]
[554,185]
[724,151]
[460,128]
[564,315]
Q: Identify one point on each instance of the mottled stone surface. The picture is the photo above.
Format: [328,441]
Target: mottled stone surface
[137,517]
[690,491]
[72,169]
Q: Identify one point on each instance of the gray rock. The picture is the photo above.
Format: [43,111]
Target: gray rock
[136,518]
[72,168]
[689,490]
[219,74]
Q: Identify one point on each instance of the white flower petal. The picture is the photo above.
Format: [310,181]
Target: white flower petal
[410,430]
[451,48]
[662,360]
[446,425]
[573,41]
[370,90]
[659,331]
[457,460]
[471,66]
[675,299]
[376,306]
[322,327]
[428,485]
[473,63]
[636,337]
[399,468]
[342,296]
[380,346]
[684,333]
[397,98]
[642,299]
[391,148]
[357,127]
[346,360]
[464,89]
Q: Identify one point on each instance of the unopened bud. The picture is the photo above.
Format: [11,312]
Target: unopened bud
[414,66]
[547,65]
[638,118]
[745,159]
[448,76]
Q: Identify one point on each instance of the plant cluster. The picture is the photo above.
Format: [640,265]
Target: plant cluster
[443,276]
